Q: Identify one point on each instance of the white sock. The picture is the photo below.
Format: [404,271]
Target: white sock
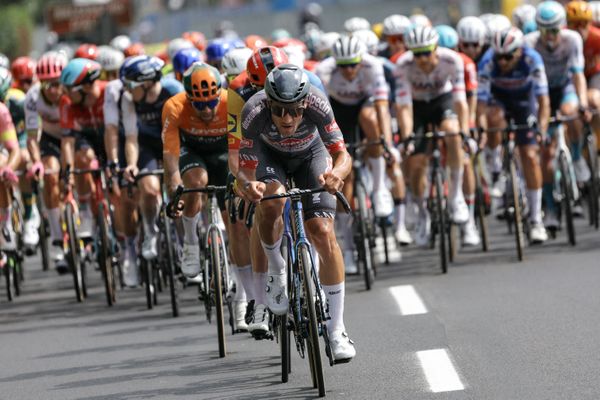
[54,222]
[377,165]
[149,223]
[345,224]
[497,159]
[335,298]
[190,228]
[421,205]
[244,288]
[273,252]
[260,284]
[456,181]
[534,197]
[399,215]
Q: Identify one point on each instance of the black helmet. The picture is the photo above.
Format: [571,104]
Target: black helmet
[287,83]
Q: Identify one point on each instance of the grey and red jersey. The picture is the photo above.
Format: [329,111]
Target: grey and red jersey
[38,108]
[259,131]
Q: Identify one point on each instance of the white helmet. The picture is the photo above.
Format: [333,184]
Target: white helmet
[369,39]
[550,14]
[396,25]
[507,40]
[324,46]
[471,30]
[110,58]
[421,36]
[348,49]
[178,44]
[356,24]
[420,20]
[234,61]
[595,5]
[522,14]
[495,24]
[295,55]
[120,42]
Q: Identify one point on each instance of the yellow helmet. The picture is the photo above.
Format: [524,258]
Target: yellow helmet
[378,29]
[579,11]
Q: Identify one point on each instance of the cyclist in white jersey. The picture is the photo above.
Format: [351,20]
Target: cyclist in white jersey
[41,105]
[430,90]
[562,53]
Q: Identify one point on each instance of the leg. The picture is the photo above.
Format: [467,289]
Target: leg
[455,160]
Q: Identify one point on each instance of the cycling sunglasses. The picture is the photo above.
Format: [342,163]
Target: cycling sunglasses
[470,44]
[280,110]
[51,85]
[553,31]
[345,66]
[419,54]
[505,57]
[133,84]
[201,105]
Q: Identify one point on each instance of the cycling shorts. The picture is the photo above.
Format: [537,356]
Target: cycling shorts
[432,113]
[49,146]
[305,169]
[151,152]
[84,141]
[562,95]
[521,112]
[346,117]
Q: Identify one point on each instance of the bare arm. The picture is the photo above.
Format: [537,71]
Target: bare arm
[111,143]
[67,146]
[405,121]
[543,112]
[33,146]
[462,109]
[384,119]
[233,161]
[581,89]
[172,176]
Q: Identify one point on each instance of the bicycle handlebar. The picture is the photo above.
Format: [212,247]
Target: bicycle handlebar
[307,192]
[173,206]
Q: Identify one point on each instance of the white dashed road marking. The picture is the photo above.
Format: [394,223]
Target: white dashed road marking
[439,371]
[408,300]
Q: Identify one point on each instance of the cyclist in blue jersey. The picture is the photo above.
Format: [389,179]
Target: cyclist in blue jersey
[513,85]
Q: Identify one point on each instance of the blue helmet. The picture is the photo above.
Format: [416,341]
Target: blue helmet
[184,58]
[80,71]
[550,15]
[216,49]
[529,26]
[236,43]
[448,36]
[141,69]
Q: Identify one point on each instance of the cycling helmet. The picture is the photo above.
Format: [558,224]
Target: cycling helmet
[234,62]
[507,40]
[348,50]
[280,34]
[395,25]
[216,49]
[356,24]
[4,61]
[420,37]
[184,58]
[324,46]
[197,38]
[5,82]
[87,50]
[202,82]
[420,20]
[120,42]
[23,69]
[262,61]
[177,44]
[471,30]
[287,83]
[522,14]
[595,6]
[369,39]
[50,65]
[579,11]
[295,55]
[311,13]
[550,15]
[136,49]
[80,71]
[110,58]
[289,42]
[255,41]
[496,23]
[141,69]
[448,36]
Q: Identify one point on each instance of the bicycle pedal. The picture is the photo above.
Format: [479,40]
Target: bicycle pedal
[262,335]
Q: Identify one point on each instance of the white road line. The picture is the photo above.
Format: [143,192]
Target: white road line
[408,300]
[439,371]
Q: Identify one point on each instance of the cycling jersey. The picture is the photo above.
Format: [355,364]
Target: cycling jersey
[591,52]
[412,83]
[394,57]
[15,101]
[563,61]
[369,83]
[38,108]
[470,74]
[8,135]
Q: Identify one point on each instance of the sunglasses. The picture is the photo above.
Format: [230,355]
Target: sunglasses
[132,84]
[26,81]
[347,66]
[201,105]
[280,111]
[51,85]
[553,31]
[470,44]
[420,54]
[505,57]
[578,25]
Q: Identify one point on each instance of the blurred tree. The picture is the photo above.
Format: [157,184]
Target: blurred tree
[15,29]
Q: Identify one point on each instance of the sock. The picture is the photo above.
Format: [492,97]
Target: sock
[377,165]
[260,283]
[421,205]
[470,199]
[335,299]
[28,201]
[344,222]
[54,222]
[399,213]
[534,197]
[497,159]
[275,260]
[456,181]
[548,195]
[244,275]
[131,248]
[190,229]
[149,223]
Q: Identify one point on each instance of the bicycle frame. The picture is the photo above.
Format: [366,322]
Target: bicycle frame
[563,147]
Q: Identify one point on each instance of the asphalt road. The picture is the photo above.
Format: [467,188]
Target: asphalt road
[492,328]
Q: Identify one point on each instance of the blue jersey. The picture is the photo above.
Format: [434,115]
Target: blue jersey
[315,81]
[527,79]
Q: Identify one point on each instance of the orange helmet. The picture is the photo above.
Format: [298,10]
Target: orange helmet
[136,49]
[262,61]
[197,38]
[579,11]
[87,50]
[202,82]
[285,42]
[23,69]
[255,41]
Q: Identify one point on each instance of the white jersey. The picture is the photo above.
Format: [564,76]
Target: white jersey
[412,83]
[563,61]
[369,82]
[37,108]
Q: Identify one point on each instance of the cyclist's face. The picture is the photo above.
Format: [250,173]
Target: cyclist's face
[508,62]
[425,60]
[471,49]
[138,93]
[395,43]
[582,27]
[550,37]
[52,90]
[349,71]
[287,118]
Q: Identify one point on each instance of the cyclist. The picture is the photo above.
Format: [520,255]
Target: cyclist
[120,42]
[562,53]
[513,85]
[234,62]
[23,72]
[356,24]
[216,50]
[523,18]
[44,140]
[111,60]
[281,127]
[394,28]
[87,50]
[430,90]
[471,37]
[183,59]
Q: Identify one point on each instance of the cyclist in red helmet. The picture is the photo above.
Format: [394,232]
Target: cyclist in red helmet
[87,50]
[23,72]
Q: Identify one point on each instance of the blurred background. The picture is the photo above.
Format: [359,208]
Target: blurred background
[29,27]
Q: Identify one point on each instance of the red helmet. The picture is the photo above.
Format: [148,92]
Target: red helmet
[255,41]
[285,42]
[262,61]
[87,50]
[23,69]
[136,49]
[50,66]
[197,38]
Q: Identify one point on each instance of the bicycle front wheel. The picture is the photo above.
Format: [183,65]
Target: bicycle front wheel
[215,272]
[517,219]
[441,219]
[566,187]
[104,256]
[169,260]
[74,254]
[362,241]
[9,274]
[594,185]
[283,333]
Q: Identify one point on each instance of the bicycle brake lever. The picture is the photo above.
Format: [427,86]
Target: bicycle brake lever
[342,199]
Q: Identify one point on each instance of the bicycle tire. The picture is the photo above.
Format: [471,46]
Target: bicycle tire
[147,272]
[441,219]
[104,257]
[314,352]
[480,216]
[44,243]
[215,260]
[594,185]
[169,259]
[566,186]
[384,235]
[517,219]
[283,333]
[155,282]
[362,243]
[9,274]
[74,253]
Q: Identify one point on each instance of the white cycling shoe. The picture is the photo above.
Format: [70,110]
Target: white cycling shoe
[349,262]
[149,250]
[342,348]
[538,234]
[582,171]
[8,240]
[31,235]
[276,296]
[86,225]
[190,263]
[423,230]
[239,312]
[402,236]
[131,276]
[259,326]
[470,235]
[459,211]
[383,202]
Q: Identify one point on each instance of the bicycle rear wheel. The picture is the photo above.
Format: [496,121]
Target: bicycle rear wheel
[362,239]
[441,219]
[283,334]
[9,274]
[594,185]
[480,216]
[169,261]
[73,253]
[105,256]
[216,274]
[517,218]
[148,282]
[566,187]
[312,341]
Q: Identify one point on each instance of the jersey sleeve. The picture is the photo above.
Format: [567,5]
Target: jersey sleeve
[32,119]
[8,134]
[403,88]
[538,75]
[324,71]
[458,79]
[250,143]
[576,59]
[111,104]
[321,113]
[379,88]
[235,104]
[67,116]
[470,75]
[315,81]
[170,129]
[130,125]
[484,79]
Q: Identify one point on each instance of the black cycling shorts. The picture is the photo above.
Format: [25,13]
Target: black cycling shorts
[432,113]
[347,119]
[49,146]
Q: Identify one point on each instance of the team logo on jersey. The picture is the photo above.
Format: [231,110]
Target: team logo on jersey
[332,127]
[246,144]
[231,122]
